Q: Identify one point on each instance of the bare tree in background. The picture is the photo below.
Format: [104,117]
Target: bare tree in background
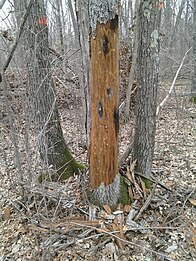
[147,80]
[194,52]
[167,22]
[59,24]
[134,60]
[176,26]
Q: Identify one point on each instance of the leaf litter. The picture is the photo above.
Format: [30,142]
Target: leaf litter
[51,222]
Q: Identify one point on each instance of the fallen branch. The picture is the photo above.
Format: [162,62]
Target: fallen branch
[121,106]
[146,204]
[173,83]
[125,155]
[152,180]
[53,191]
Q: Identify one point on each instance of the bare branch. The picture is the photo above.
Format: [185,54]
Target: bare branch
[20,31]
[173,83]
[125,155]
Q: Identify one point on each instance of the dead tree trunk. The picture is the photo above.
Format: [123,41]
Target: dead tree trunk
[147,80]
[104,79]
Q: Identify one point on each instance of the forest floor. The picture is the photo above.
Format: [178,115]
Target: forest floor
[51,221]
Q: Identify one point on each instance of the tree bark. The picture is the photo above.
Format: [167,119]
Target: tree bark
[59,24]
[82,29]
[147,80]
[52,146]
[104,78]
[134,61]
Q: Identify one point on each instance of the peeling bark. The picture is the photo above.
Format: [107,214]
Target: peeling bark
[104,71]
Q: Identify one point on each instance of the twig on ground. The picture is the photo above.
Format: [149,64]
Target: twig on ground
[189,195]
[171,211]
[95,248]
[86,233]
[132,213]
[146,204]
[112,233]
[65,245]
[152,180]
[54,191]
[61,230]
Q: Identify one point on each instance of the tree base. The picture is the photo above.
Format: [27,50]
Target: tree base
[124,193]
[65,169]
[111,195]
[193,99]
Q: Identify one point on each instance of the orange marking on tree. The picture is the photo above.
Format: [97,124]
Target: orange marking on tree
[42,21]
[160,5]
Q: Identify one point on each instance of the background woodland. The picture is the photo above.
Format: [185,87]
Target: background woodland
[83,178]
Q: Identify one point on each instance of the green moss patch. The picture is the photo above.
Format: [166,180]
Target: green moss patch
[67,166]
[124,193]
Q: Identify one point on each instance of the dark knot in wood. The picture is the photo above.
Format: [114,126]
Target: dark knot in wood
[116,120]
[100,109]
[105,44]
[109,92]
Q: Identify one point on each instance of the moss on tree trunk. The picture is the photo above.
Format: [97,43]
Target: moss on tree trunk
[68,165]
[65,164]
[193,99]
[124,193]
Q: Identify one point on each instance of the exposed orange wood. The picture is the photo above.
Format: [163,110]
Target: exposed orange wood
[104,68]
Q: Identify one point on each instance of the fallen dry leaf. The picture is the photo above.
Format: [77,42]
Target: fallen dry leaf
[7,212]
[194,237]
[107,209]
[132,166]
[128,174]
[120,237]
[193,201]
[130,194]
[169,183]
[127,208]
